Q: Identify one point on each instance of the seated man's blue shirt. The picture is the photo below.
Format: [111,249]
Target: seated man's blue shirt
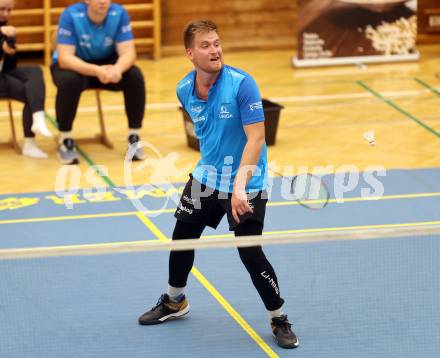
[233,102]
[93,42]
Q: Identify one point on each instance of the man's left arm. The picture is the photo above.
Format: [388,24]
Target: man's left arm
[126,58]
[252,115]
[255,135]
[125,49]
[126,55]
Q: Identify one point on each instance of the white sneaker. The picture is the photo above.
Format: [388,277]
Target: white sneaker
[31,150]
[39,126]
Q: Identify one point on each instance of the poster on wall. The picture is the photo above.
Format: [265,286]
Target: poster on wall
[337,32]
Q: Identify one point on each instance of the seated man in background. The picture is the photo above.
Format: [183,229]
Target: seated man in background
[24,84]
[95,50]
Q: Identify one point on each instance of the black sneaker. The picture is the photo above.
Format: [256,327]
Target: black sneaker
[165,309]
[67,152]
[283,333]
[133,143]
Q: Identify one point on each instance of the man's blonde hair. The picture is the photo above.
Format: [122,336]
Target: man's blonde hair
[195,27]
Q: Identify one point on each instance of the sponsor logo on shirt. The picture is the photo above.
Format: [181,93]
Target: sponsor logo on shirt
[86,37]
[256,105]
[225,111]
[112,13]
[196,109]
[108,41]
[64,32]
[79,14]
[184,84]
[199,119]
[235,74]
[85,44]
[126,28]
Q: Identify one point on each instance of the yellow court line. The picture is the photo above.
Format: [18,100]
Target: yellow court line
[85,216]
[215,293]
[167,211]
[67,217]
[234,314]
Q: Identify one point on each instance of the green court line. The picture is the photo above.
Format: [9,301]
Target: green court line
[299,82]
[95,167]
[86,157]
[51,120]
[397,108]
[424,84]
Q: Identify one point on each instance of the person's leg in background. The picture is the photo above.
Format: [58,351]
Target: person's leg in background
[35,90]
[132,85]
[69,87]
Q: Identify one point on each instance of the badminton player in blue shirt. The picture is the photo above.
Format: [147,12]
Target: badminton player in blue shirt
[225,106]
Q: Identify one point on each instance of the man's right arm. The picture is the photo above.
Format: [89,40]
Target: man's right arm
[66,48]
[67,60]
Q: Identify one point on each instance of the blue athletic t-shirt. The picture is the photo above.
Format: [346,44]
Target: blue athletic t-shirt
[93,42]
[233,102]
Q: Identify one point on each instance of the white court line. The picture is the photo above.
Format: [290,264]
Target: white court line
[390,94]
[290,99]
[355,70]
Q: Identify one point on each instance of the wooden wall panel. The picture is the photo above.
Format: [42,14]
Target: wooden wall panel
[28,4]
[243,24]
[253,23]
[424,34]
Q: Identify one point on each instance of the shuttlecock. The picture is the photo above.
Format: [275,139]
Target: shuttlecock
[369,137]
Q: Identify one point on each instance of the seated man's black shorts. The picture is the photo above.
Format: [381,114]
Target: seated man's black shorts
[210,206]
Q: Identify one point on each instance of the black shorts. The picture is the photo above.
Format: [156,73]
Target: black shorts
[210,207]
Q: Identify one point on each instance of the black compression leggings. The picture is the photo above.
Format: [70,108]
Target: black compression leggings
[70,85]
[261,271]
[25,84]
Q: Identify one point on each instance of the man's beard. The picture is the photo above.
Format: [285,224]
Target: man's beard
[210,69]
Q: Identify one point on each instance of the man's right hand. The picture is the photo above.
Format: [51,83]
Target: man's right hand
[102,74]
[114,74]
[8,31]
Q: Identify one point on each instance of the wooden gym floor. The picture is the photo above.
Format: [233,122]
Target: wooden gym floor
[326,111]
